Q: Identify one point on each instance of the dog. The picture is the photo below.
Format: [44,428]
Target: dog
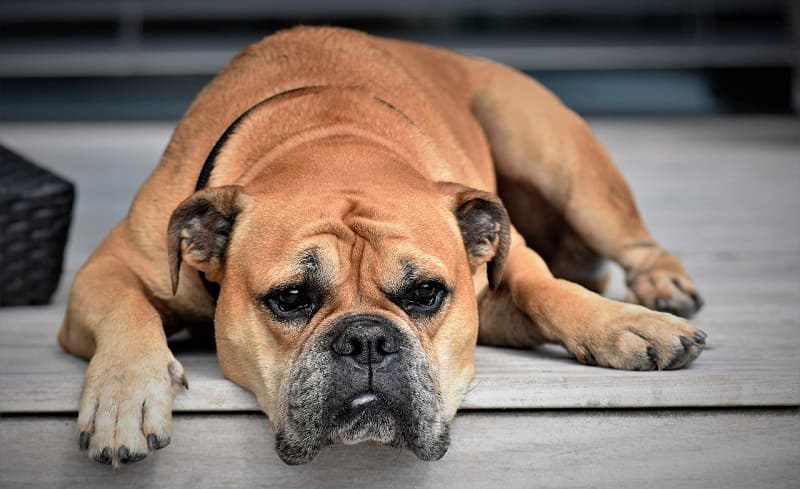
[353,214]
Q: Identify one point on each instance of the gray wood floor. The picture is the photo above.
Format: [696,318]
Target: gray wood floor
[724,194]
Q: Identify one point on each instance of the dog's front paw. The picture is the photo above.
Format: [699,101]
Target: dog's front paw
[126,406]
[638,339]
[662,284]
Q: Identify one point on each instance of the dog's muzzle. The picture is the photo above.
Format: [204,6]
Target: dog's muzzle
[364,379]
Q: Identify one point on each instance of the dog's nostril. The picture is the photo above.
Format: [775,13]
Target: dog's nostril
[386,346]
[348,346]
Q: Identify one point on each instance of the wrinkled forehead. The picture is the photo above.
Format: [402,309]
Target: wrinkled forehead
[345,239]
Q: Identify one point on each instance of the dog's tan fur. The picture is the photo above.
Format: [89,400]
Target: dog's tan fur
[390,121]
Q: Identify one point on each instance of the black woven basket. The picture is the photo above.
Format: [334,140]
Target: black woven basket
[35,214]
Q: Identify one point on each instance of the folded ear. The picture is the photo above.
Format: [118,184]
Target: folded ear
[484,225]
[199,230]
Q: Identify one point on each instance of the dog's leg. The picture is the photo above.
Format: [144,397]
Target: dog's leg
[539,146]
[596,330]
[546,231]
[126,406]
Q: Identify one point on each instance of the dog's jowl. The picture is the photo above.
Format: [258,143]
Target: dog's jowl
[353,215]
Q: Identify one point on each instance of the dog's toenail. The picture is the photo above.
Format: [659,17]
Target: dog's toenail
[156,443]
[686,342]
[84,440]
[122,453]
[700,338]
[177,375]
[698,301]
[654,357]
[135,457]
[104,457]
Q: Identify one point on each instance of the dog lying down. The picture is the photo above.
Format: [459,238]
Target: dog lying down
[353,214]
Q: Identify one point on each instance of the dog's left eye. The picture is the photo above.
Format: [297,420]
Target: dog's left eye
[290,302]
[425,299]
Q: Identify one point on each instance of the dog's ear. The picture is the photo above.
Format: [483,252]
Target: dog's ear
[199,230]
[485,227]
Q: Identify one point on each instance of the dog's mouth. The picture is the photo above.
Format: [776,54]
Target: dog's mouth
[366,417]
[330,400]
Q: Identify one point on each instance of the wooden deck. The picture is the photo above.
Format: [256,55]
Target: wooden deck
[724,194]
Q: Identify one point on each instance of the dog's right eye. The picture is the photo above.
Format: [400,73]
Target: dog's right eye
[293,302]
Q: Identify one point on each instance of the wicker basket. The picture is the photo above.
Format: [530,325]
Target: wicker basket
[35,214]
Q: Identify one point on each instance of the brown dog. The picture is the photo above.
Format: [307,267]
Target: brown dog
[330,196]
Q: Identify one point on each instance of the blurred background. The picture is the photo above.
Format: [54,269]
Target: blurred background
[63,60]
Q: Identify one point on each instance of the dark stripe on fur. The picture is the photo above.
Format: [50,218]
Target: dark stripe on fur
[208,166]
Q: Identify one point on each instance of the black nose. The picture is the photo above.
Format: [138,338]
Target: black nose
[366,340]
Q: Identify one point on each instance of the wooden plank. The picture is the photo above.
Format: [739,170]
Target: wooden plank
[701,181]
[712,184]
[744,366]
[654,449]
[515,389]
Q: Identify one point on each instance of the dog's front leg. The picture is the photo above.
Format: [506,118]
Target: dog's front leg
[126,406]
[596,330]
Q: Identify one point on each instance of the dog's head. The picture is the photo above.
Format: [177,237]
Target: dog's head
[347,302]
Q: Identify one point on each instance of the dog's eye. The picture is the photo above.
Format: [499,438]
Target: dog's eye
[426,298]
[291,299]
[290,302]
[425,293]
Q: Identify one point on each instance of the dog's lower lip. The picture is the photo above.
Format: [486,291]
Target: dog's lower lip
[363,399]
